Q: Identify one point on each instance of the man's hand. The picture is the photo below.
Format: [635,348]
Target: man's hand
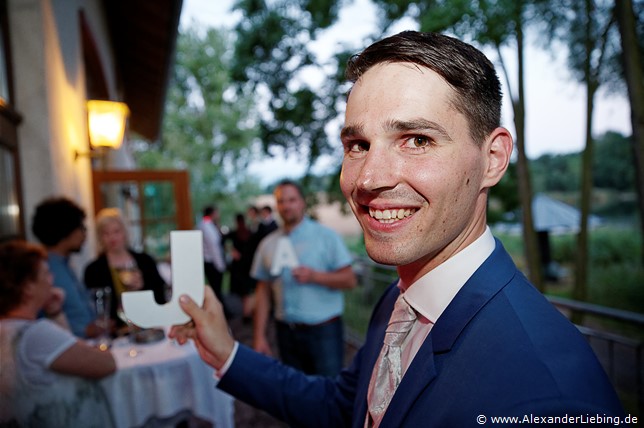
[208,329]
[304,275]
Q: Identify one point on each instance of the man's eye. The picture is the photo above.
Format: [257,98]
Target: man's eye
[356,146]
[419,141]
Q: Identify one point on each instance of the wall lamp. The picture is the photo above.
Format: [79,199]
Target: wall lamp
[106,121]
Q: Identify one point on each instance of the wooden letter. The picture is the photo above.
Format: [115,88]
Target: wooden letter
[186,250]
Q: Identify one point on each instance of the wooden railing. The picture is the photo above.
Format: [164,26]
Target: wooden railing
[608,330]
[620,354]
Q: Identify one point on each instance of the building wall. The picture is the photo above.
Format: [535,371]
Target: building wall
[50,94]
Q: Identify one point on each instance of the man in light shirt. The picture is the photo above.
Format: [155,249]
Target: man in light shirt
[213,250]
[423,146]
[303,268]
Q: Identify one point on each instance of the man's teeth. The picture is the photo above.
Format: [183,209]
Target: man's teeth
[389,216]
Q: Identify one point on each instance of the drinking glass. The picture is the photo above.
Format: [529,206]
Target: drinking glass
[101,298]
[132,352]
[130,276]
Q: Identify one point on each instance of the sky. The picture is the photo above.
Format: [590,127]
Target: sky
[555,110]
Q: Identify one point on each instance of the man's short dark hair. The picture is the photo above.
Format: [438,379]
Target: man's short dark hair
[55,219]
[289,182]
[466,69]
[208,210]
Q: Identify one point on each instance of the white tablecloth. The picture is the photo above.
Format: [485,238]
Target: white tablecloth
[163,380]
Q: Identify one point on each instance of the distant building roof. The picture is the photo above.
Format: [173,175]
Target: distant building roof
[555,216]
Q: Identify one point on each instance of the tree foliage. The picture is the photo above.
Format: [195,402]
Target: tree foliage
[209,128]
[274,62]
[556,172]
[613,167]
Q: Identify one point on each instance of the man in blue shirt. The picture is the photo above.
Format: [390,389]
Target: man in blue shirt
[304,266]
[59,224]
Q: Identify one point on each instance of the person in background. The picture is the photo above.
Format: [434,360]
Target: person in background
[213,250]
[308,297]
[47,373]
[59,224]
[118,267]
[267,223]
[462,336]
[241,283]
[252,218]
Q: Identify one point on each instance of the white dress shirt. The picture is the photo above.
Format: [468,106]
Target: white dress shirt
[212,249]
[433,292]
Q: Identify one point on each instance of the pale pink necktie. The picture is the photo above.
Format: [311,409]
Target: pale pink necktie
[387,373]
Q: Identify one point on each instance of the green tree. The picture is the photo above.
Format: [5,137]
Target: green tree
[506,196]
[613,166]
[630,23]
[588,30]
[209,128]
[556,173]
[274,63]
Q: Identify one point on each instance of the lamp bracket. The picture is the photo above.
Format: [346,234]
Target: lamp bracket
[93,154]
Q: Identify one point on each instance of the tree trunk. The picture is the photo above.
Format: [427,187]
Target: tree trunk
[633,71]
[580,290]
[531,248]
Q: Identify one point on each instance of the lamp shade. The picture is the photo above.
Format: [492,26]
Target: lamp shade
[106,122]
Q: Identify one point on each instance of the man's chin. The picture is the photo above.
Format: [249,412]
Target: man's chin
[382,257]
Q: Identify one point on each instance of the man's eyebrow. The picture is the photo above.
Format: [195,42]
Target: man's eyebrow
[351,131]
[415,125]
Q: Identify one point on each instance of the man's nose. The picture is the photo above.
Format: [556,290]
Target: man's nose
[378,171]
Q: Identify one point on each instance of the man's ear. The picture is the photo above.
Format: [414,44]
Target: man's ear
[498,150]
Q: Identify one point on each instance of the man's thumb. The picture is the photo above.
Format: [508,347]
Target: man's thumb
[188,305]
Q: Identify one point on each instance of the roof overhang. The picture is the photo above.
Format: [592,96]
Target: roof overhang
[144,35]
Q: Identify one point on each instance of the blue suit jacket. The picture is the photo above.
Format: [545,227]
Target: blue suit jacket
[499,349]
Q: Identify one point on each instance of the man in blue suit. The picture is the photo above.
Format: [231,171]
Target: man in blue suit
[423,145]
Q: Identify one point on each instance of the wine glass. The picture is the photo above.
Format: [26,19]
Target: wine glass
[132,352]
[130,277]
[101,299]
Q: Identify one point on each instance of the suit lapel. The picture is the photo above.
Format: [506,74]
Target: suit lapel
[486,282]
[490,278]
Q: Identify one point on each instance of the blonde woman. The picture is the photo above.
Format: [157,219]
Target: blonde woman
[118,266]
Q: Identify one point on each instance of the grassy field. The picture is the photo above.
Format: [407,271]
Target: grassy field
[616,275]
[615,280]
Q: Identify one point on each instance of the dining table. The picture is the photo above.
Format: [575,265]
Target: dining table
[160,383]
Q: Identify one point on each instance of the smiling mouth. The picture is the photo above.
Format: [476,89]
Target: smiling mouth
[391,215]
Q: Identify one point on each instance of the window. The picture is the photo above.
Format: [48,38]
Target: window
[11,224]
[153,204]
